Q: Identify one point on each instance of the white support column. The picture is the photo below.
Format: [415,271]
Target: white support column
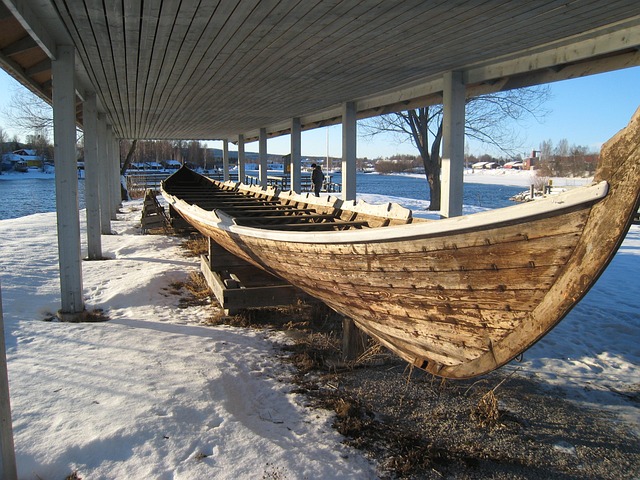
[64,132]
[225,160]
[7,447]
[296,154]
[113,209]
[349,134]
[453,145]
[262,149]
[241,158]
[92,176]
[105,191]
[117,193]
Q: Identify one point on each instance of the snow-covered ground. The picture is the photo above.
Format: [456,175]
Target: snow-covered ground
[518,178]
[153,393]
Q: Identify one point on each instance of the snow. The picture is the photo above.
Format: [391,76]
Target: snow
[518,178]
[153,393]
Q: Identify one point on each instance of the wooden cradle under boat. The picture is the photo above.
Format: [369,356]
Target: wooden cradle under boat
[458,297]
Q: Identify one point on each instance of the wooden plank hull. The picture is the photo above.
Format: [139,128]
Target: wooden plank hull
[458,297]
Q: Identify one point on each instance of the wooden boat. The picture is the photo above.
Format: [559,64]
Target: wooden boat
[458,297]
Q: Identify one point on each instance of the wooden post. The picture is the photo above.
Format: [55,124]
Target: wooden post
[68,220]
[92,182]
[452,145]
[354,340]
[225,160]
[262,149]
[241,158]
[349,139]
[296,154]
[9,471]
[210,252]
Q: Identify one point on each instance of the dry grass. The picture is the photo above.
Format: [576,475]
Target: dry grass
[136,193]
[486,412]
[197,286]
[197,245]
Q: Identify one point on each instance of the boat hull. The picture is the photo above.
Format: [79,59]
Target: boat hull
[466,296]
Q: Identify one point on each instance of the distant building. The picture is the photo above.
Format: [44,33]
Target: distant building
[21,160]
[515,165]
[484,165]
[172,164]
[530,163]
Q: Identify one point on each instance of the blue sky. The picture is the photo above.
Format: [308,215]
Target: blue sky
[586,111]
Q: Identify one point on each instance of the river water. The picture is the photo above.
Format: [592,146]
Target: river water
[28,196]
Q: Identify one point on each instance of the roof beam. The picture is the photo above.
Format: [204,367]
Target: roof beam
[22,45]
[22,11]
[607,43]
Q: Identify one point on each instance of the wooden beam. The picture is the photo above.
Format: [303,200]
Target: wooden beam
[354,340]
[22,45]
[23,12]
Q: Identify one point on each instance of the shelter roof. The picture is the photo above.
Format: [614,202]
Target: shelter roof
[171,69]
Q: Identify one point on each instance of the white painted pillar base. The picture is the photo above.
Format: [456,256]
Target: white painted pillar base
[453,145]
[296,155]
[92,178]
[262,149]
[241,159]
[64,131]
[349,134]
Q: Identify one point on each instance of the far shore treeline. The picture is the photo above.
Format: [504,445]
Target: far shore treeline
[561,160]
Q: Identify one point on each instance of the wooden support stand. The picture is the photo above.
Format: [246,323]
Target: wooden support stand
[354,340]
[153,214]
[237,284]
[178,223]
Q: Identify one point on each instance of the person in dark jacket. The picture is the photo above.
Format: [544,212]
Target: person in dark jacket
[317,177]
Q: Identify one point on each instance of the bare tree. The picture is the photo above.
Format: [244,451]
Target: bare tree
[487,118]
[128,158]
[30,113]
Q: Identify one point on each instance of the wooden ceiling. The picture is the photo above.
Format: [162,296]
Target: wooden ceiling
[183,69]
